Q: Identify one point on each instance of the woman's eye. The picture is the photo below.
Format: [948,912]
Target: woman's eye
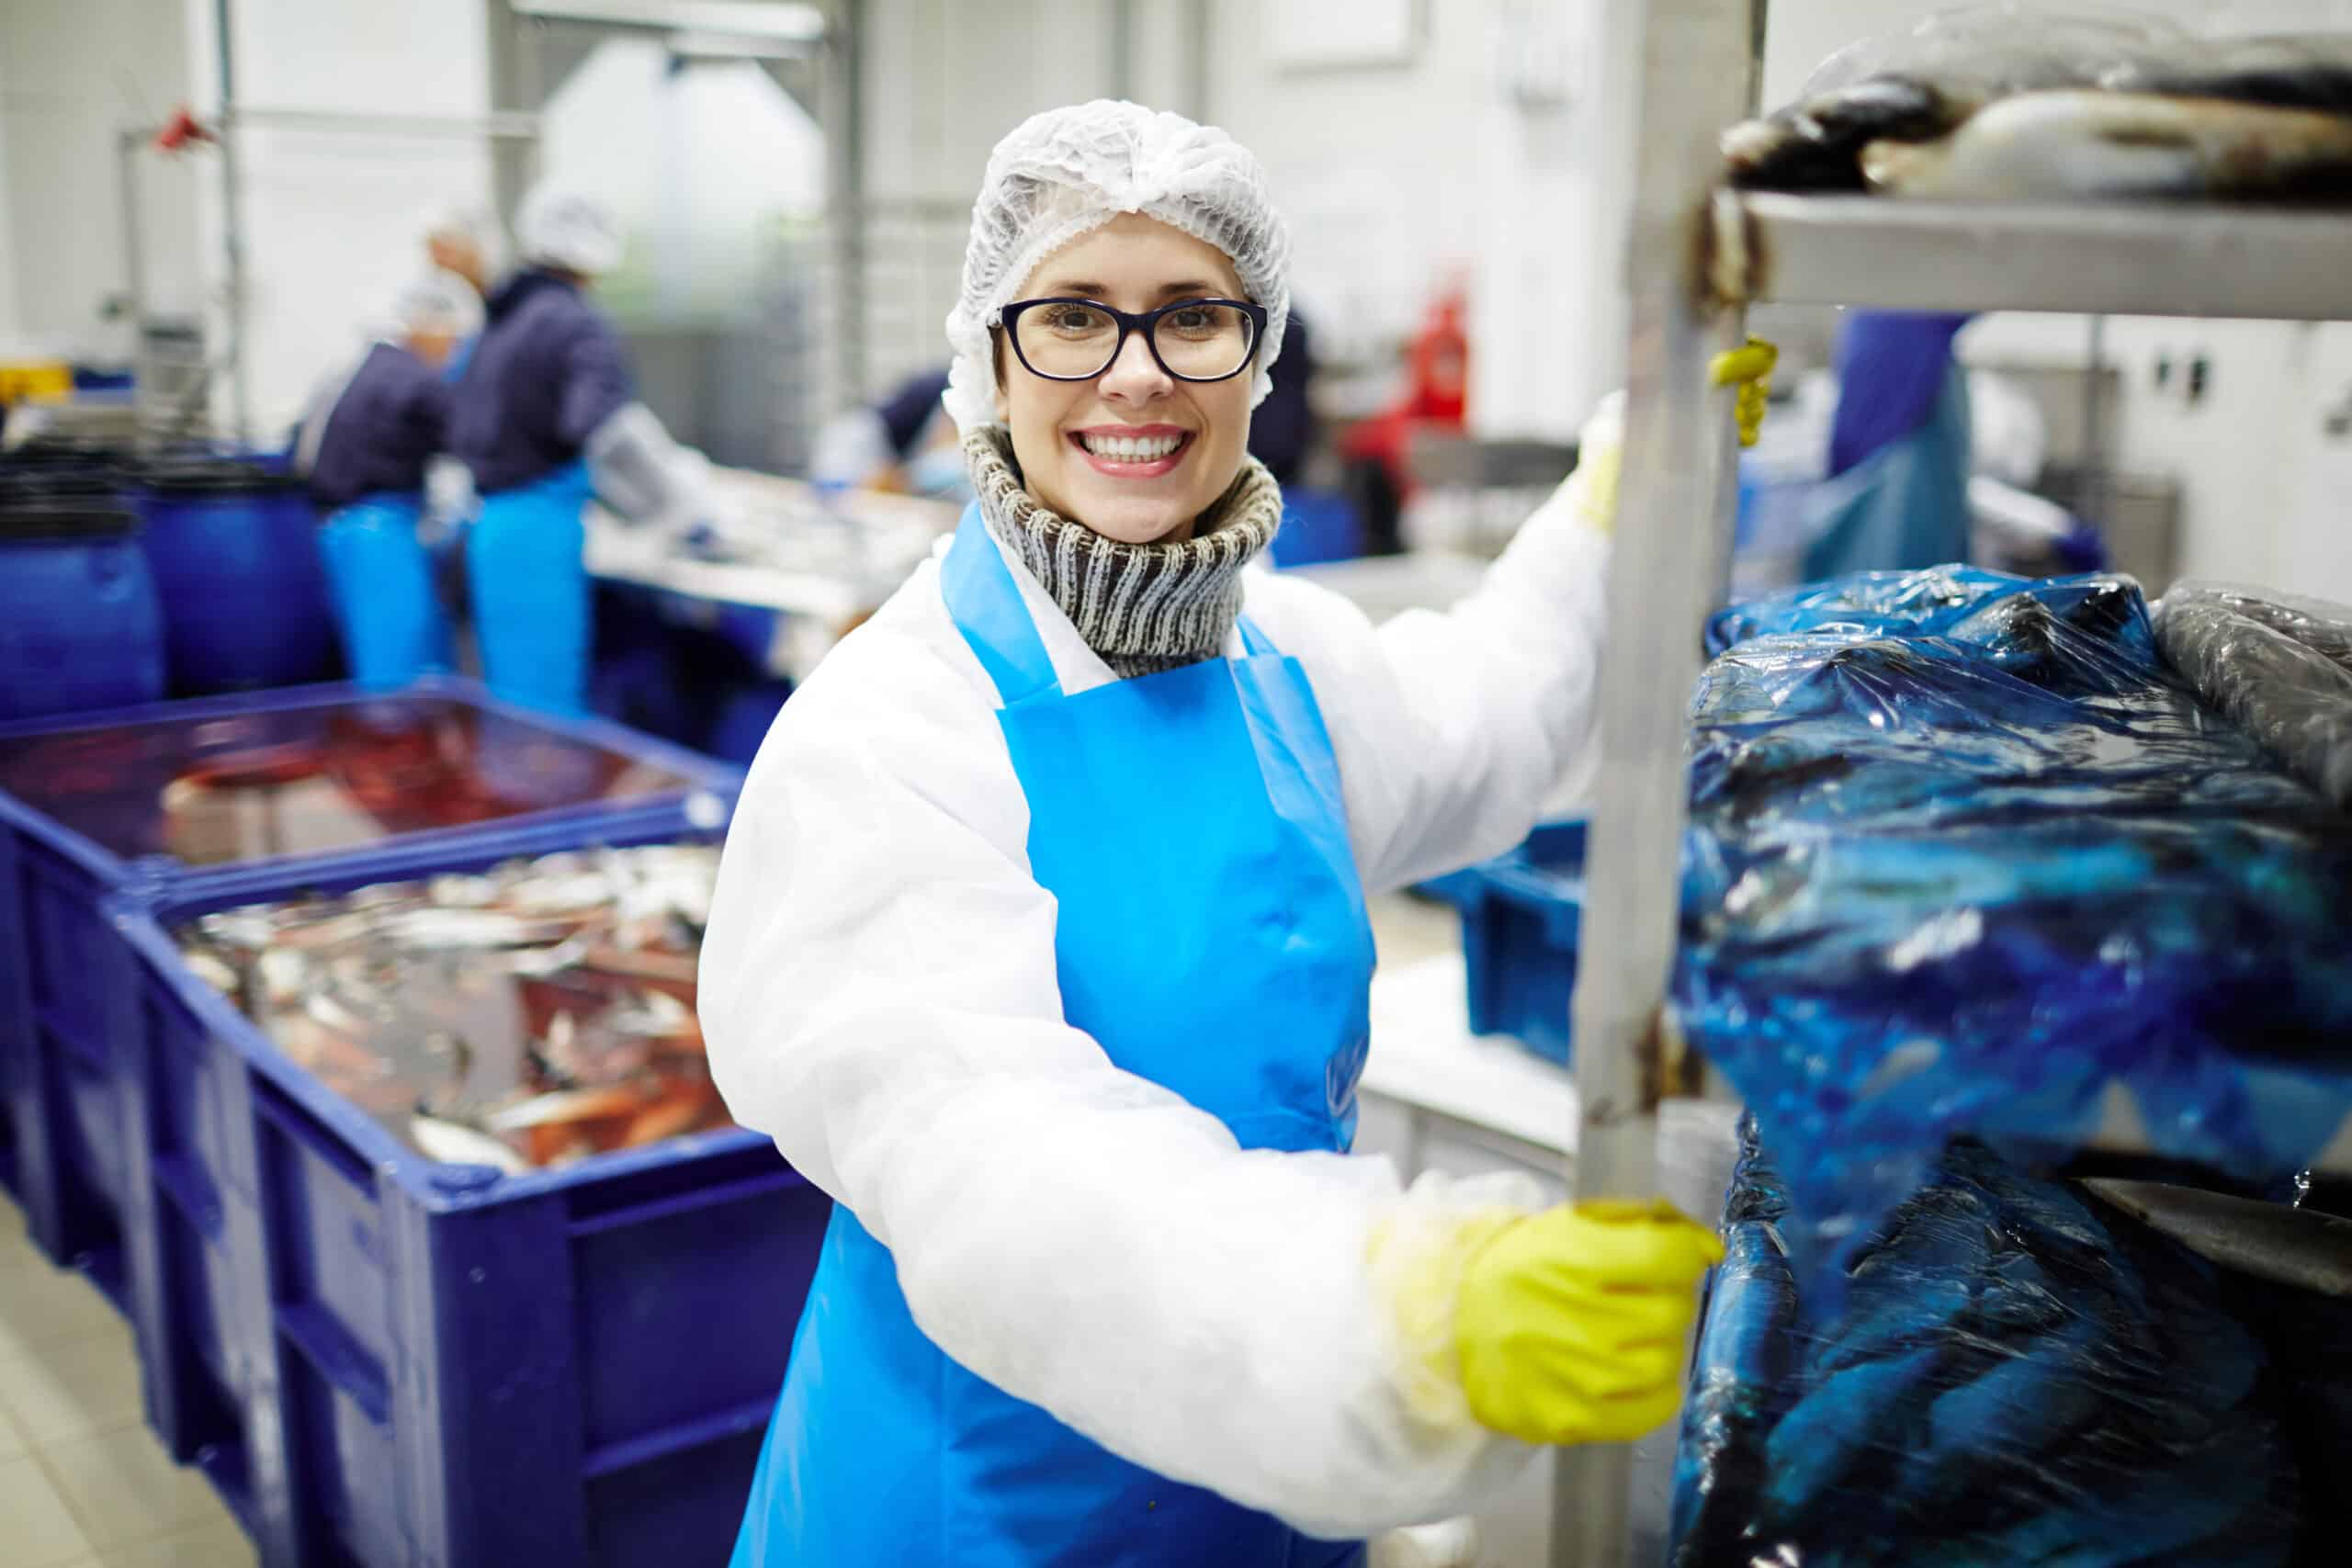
[1076,319]
[1193,319]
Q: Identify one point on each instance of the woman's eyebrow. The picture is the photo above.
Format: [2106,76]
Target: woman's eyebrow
[1093,290]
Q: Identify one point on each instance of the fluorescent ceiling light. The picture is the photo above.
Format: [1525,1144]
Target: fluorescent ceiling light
[735,46]
[731,18]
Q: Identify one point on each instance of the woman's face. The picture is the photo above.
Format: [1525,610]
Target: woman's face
[1136,263]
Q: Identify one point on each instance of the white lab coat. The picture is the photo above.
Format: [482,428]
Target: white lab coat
[878,993]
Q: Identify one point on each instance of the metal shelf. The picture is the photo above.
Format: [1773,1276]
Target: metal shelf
[2140,259]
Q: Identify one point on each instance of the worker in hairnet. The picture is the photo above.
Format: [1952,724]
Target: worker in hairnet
[365,442]
[468,239]
[545,416]
[1040,945]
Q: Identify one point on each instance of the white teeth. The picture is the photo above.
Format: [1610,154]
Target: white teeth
[1131,449]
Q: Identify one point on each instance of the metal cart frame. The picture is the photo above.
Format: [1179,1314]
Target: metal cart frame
[1697,255]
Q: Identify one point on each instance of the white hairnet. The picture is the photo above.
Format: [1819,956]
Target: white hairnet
[1070,170]
[561,227]
[439,302]
[475,225]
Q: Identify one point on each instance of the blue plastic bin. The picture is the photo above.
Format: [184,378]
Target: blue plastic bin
[237,568]
[385,1361]
[1521,917]
[145,798]
[79,624]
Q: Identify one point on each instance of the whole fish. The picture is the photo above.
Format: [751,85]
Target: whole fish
[2302,1248]
[1816,143]
[2093,143]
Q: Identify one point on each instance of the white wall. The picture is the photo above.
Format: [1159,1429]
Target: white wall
[1397,178]
[71,73]
[334,220]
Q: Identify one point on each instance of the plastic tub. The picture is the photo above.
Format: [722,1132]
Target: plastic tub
[1521,914]
[79,624]
[243,592]
[387,1362]
[143,799]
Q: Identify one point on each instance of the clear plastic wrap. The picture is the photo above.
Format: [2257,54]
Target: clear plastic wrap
[1966,858]
[2282,671]
[2311,71]
[2012,1373]
[1986,52]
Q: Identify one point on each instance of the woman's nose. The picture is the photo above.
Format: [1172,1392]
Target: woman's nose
[1135,376]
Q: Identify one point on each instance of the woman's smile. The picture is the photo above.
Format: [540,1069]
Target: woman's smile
[1133,451]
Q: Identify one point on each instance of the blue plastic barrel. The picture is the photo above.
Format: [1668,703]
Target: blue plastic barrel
[79,624]
[245,595]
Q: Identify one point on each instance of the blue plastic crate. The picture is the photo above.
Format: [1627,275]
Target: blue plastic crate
[385,1361]
[1520,914]
[94,819]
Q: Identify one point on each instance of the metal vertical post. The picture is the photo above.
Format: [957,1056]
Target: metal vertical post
[844,125]
[1697,72]
[2091,499]
[232,230]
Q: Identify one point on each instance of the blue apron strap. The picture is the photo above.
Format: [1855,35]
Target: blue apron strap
[985,605]
[1253,641]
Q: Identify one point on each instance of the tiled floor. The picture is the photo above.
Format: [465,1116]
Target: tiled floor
[83,1483]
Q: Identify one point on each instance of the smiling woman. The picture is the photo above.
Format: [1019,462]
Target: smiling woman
[1123,393]
[1040,945]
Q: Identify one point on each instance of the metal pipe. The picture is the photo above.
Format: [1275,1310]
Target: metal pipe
[2093,497]
[499,126]
[1697,69]
[1197,34]
[845,134]
[232,232]
[1123,49]
[126,149]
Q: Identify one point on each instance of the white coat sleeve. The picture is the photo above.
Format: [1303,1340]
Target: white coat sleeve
[880,995]
[1452,727]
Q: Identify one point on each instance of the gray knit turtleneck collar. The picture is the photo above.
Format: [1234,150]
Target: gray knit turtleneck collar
[1143,608]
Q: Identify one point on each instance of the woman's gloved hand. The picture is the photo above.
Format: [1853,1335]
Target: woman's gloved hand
[1571,1324]
[1563,1326]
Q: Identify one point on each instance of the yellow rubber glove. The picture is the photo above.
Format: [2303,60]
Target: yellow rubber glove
[1568,1325]
[1749,368]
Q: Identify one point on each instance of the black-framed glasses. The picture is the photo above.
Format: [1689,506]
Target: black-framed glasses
[1077,340]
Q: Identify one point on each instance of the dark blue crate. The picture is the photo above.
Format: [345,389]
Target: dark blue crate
[63,1149]
[385,1361]
[1520,916]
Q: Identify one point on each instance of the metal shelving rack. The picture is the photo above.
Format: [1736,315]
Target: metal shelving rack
[1697,256]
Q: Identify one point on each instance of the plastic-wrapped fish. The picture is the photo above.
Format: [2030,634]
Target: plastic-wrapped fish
[1817,143]
[2309,71]
[2092,143]
[1923,82]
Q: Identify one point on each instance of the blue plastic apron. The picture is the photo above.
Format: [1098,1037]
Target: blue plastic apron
[529,589]
[1220,949]
[1905,506]
[385,604]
